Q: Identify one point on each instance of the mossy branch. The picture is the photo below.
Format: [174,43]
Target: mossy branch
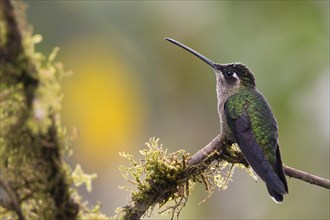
[197,168]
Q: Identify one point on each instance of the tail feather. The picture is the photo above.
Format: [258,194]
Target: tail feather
[280,170]
[277,197]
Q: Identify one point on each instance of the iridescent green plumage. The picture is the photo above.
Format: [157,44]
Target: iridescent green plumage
[248,102]
[254,127]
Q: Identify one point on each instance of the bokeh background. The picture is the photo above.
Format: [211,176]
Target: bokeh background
[129,84]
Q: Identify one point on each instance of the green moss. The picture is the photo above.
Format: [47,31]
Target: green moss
[161,178]
[31,141]
[159,173]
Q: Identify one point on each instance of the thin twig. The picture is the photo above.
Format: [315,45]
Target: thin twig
[307,177]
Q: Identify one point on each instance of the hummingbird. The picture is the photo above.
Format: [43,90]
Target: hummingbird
[247,119]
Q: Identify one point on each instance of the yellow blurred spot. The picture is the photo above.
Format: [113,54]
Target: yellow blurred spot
[102,100]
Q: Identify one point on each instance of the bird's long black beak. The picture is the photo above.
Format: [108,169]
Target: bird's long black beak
[206,60]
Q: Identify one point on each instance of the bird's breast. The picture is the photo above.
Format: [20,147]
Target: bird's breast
[224,129]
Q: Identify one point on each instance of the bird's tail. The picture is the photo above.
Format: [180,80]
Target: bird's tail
[277,197]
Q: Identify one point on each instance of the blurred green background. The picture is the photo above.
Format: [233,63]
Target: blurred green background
[129,84]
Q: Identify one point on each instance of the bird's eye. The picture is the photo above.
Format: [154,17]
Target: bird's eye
[229,73]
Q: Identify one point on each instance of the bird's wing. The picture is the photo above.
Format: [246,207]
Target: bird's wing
[240,125]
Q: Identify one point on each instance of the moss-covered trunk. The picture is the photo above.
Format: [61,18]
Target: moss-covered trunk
[33,179]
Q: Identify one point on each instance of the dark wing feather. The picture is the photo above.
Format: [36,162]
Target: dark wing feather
[279,170]
[242,131]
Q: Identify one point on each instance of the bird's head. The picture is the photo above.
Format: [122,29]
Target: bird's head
[230,77]
[233,76]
